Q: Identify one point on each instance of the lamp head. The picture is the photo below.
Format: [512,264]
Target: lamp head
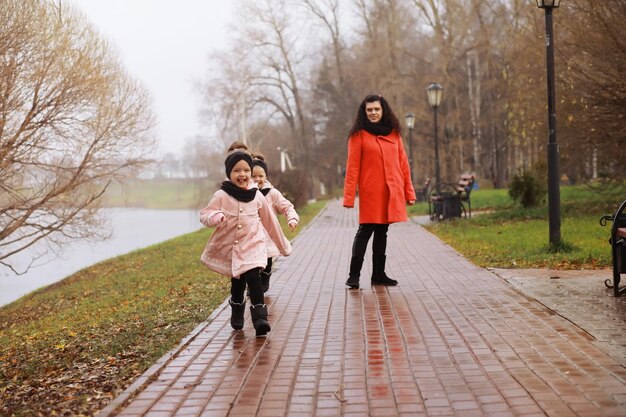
[435,93]
[410,120]
[548,4]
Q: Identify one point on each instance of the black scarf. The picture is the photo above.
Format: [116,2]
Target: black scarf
[377,128]
[238,193]
[265,191]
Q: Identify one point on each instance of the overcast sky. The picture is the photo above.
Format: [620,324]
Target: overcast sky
[165,45]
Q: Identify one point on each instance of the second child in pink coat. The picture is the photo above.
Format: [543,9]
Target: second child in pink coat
[242,218]
[280,205]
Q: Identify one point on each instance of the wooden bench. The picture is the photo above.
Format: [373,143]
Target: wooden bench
[618,247]
[454,200]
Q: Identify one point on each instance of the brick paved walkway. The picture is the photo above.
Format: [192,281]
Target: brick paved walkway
[581,297]
[451,340]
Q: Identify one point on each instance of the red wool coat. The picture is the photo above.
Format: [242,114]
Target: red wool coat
[379,167]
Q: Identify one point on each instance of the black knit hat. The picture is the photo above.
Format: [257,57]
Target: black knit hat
[233,158]
[261,163]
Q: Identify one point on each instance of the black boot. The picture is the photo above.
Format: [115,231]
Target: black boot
[378,272]
[259,319]
[236,315]
[265,280]
[355,272]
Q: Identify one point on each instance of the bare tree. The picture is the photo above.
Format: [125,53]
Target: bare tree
[226,103]
[262,79]
[71,121]
[333,95]
[387,26]
[448,26]
[488,55]
[278,80]
[592,71]
[327,12]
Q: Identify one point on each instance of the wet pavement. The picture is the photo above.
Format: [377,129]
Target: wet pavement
[581,297]
[452,339]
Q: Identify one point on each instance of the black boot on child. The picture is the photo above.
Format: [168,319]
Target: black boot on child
[259,319]
[378,272]
[236,317]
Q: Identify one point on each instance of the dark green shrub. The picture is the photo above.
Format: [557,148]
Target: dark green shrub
[529,187]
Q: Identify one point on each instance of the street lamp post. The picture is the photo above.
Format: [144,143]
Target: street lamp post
[410,123]
[554,203]
[435,93]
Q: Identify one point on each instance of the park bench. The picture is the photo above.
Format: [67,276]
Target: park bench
[454,200]
[618,247]
[464,188]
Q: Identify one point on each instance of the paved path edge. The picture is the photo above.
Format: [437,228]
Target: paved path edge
[153,372]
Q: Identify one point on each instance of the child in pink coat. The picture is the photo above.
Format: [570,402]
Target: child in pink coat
[242,218]
[280,205]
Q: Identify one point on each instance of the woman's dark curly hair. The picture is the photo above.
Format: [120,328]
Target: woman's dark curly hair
[388,119]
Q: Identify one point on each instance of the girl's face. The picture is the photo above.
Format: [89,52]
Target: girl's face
[240,175]
[259,176]
[374,111]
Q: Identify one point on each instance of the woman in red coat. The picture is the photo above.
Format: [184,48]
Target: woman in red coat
[377,165]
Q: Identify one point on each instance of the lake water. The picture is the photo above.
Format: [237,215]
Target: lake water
[131,229]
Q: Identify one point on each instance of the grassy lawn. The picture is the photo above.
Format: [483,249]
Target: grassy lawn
[508,236]
[485,200]
[490,242]
[70,348]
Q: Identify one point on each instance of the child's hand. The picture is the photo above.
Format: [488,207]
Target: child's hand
[293,225]
[217,218]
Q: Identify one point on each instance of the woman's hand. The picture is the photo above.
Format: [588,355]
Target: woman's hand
[293,225]
[411,202]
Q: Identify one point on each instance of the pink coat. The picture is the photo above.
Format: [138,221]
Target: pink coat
[281,206]
[238,243]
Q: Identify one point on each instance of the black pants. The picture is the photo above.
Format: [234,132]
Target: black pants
[238,287]
[268,268]
[363,234]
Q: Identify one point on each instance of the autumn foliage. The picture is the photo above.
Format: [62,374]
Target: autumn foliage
[300,68]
